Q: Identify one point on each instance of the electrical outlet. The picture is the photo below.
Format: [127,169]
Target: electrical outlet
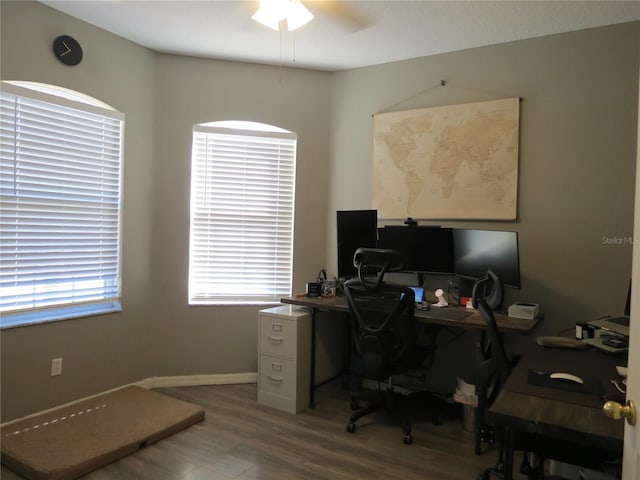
[56,367]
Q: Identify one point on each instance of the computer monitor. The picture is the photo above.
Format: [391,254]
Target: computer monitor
[419,293]
[356,229]
[424,249]
[477,251]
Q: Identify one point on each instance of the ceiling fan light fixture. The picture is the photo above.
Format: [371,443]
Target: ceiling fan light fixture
[298,16]
[271,12]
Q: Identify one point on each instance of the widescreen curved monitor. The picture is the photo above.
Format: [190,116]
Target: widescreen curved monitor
[477,251]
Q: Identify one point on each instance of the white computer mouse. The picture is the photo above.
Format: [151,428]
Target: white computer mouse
[567,377]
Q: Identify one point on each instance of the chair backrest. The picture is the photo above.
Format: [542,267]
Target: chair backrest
[496,345]
[492,373]
[382,313]
[489,288]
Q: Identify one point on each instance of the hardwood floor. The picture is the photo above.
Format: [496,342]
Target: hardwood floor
[240,439]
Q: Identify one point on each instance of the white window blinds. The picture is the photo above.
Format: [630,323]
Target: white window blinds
[242,202]
[60,174]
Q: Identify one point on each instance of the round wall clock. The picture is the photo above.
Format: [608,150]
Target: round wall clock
[67,50]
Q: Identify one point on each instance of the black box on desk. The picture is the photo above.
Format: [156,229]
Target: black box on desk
[584,330]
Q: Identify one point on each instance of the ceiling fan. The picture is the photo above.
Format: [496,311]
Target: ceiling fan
[272,12]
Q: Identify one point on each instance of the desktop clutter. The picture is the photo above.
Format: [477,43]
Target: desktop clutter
[323,287]
[608,334]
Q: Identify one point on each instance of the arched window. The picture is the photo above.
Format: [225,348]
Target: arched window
[242,205]
[60,177]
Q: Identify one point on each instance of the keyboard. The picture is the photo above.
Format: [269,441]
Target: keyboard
[449,314]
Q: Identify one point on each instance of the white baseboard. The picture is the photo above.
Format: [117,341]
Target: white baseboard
[194,380]
[163,382]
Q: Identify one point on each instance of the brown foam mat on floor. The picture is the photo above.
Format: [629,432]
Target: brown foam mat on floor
[69,442]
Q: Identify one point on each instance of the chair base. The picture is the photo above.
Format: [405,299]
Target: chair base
[394,403]
[388,400]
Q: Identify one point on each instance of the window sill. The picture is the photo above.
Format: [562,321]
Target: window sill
[234,303]
[57,314]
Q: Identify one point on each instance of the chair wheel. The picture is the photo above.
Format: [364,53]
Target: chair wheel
[484,476]
[354,405]
[351,427]
[436,420]
[407,439]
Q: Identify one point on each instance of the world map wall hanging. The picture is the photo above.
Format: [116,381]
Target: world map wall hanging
[448,162]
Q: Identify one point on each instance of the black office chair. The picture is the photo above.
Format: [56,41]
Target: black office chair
[491,375]
[383,331]
[493,371]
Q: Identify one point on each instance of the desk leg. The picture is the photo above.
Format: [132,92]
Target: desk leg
[508,454]
[347,352]
[312,373]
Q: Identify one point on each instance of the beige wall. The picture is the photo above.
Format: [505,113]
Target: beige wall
[576,183]
[157,334]
[105,351]
[577,159]
[189,91]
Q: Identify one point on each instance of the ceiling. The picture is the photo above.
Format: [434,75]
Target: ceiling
[343,34]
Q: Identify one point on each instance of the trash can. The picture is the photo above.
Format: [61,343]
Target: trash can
[465,395]
[469,417]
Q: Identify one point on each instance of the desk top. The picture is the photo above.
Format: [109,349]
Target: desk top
[570,416]
[451,316]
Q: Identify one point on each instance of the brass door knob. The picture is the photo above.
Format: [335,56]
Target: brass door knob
[616,411]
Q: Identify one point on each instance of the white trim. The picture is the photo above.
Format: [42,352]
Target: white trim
[161,382]
[279,133]
[96,106]
[194,380]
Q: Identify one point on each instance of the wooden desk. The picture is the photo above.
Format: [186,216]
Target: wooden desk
[456,317]
[570,417]
[451,316]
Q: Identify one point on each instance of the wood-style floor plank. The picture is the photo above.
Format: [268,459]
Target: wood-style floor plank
[241,439]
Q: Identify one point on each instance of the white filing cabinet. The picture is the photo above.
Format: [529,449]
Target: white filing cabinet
[284,344]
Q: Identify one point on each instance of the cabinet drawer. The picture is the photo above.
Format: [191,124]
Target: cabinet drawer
[277,376]
[278,336]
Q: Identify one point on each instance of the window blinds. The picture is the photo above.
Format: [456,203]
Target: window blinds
[242,205]
[60,174]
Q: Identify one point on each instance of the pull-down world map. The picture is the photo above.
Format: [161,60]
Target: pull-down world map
[450,162]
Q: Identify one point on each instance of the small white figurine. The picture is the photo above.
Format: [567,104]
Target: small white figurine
[442,302]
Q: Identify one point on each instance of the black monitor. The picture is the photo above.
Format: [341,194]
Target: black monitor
[424,249]
[356,228]
[477,251]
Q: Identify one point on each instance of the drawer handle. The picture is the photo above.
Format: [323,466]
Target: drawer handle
[275,379]
[276,339]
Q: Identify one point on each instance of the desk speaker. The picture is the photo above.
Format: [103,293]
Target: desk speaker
[524,310]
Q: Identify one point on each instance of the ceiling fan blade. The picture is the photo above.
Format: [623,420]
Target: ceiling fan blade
[344,13]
